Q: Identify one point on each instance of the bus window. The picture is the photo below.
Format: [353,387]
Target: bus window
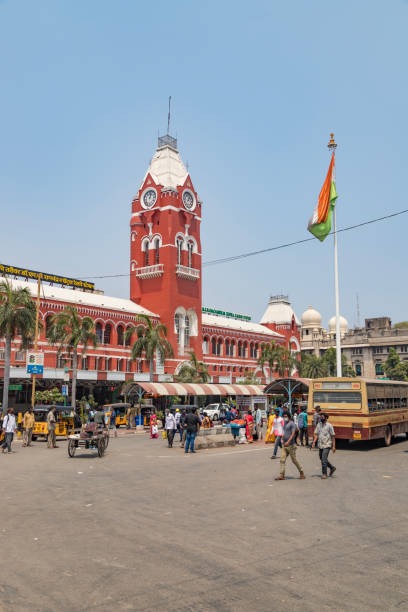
[337,397]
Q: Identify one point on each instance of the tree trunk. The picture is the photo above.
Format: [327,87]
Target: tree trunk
[7,359]
[74,378]
[151,370]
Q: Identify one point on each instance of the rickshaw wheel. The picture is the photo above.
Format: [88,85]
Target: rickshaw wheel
[101,447]
[71,448]
[106,440]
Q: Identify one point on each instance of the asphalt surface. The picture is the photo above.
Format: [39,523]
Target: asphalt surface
[150,528]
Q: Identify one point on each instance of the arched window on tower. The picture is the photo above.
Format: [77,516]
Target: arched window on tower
[214,346]
[186,331]
[157,251]
[146,253]
[99,333]
[190,254]
[128,338]
[179,250]
[48,323]
[177,326]
[219,345]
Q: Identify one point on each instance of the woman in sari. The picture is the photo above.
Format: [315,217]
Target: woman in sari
[154,430]
[249,426]
[270,436]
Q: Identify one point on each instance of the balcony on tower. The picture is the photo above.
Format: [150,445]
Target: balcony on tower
[154,271]
[187,273]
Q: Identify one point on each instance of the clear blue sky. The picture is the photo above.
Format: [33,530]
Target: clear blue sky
[256,88]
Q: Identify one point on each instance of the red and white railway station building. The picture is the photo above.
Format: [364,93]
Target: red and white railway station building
[165,284]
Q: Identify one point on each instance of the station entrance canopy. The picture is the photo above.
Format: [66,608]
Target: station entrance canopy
[159,389]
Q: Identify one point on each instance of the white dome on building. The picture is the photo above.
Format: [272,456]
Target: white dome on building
[343,325]
[311,318]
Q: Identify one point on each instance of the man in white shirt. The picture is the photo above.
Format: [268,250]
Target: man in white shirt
[9,427]
[170,426]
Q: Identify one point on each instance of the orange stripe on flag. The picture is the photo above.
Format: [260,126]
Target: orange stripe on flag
[324,196]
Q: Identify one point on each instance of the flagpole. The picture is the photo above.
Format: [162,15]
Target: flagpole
[332,148]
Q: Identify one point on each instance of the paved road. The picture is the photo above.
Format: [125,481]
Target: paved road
[150,528]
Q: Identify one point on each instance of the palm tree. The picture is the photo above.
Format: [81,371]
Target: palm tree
[150,340]
[312,366]
[71,332]
[193,371]
[270,354]
[286,362]
[17,318]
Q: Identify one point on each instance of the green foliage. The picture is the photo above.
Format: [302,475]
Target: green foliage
[49,396]
[312,366]
[401,325]
[279,359]
[150,339]
[17,318]
[394,368]
[193,371]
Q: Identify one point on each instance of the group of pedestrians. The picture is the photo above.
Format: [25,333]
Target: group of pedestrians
[289,431]
[186,424]
[9,428]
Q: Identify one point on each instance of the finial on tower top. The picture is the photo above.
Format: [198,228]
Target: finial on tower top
[332,146]
[168,117]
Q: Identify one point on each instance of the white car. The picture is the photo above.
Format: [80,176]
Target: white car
[213,410]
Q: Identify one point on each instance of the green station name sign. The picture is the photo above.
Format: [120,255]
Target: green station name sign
[223,313]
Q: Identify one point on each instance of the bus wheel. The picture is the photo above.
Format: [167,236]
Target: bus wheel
[388,436]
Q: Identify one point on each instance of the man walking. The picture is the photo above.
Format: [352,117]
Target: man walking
[325,438]
[28,425]
[51,424]
[178,423]
[9,427]
[258,423]
[170,428]
[289,447]
[302,425]
[316,417]
[192,425]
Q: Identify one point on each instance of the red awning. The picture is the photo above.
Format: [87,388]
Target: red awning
[157,389]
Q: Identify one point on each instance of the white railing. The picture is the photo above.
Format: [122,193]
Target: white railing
[150,271]
[186,272]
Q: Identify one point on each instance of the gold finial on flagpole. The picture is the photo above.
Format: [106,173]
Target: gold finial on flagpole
[332,146]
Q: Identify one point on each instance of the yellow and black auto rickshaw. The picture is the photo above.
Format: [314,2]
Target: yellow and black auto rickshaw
[64,421]
[120,410]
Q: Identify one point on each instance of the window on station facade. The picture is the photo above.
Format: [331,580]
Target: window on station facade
[379,370]
[99,333]
[157,251]
[119,365]
[146,253]
[128,336]
[179,250]
[214,346]
[190,254]
[206,345]
[61,361]
[98,363]
[358,369]
[128,365]
[108,364]
[177,326]
[219,346]
[107,335]
[48,324]
[85,363]
[121,335]
[187,331]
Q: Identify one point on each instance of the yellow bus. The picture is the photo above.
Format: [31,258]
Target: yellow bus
[362,408]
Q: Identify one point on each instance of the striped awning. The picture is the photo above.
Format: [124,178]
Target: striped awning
[156,389]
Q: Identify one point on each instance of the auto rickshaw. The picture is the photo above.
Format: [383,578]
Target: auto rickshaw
[64,421]
[121,412]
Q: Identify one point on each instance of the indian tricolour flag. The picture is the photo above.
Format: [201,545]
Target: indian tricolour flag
[321,222]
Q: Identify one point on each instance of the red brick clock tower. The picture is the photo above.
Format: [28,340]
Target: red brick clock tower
[165,249]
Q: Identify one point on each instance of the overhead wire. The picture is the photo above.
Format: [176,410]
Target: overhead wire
[223,260]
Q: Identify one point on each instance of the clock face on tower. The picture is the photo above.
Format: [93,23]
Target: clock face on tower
[189,200]
[149,197]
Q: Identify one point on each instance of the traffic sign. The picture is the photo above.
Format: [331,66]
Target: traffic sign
[35,362]
[64,390]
